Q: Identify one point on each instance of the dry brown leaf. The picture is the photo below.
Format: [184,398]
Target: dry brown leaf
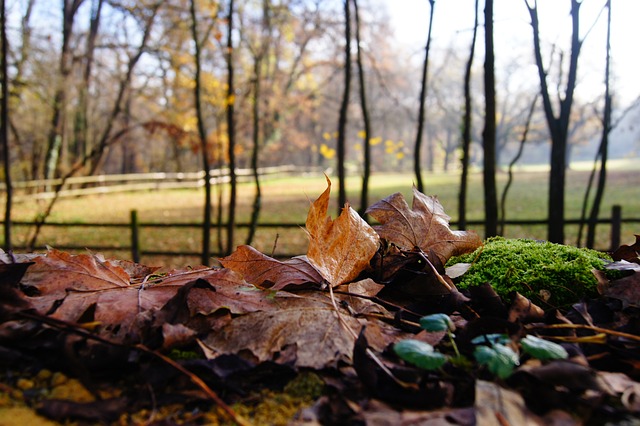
[339,249]
[85,288]
[264,271]
[305,329]
[425,225]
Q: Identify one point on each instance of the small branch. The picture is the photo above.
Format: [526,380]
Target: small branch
[78,330]
[592,328]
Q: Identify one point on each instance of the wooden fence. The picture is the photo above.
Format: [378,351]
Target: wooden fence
[85,185]
[136,228]
[104,184]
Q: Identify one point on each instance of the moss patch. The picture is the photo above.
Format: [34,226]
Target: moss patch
[549,274]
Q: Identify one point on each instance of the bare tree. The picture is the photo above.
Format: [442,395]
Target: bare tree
[4,127]
[81,126]
[93,158]
[514,160]
[344,105]
[16,94]
[56,131]
[364,193]
[558,124]
[604,141]
[125,83]
[466,128]
[231,220]
[258,53]
[202,134]
[489,132]
[421,110]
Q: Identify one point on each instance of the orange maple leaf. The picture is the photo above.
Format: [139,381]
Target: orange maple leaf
[339,249]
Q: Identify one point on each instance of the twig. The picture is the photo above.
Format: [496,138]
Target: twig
[368,351]
[592,328]
[198,382]
[76,329]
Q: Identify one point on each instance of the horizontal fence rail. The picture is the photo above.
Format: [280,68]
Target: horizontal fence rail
[136,232]
[104,184]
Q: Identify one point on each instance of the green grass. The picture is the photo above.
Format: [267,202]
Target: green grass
[287,200]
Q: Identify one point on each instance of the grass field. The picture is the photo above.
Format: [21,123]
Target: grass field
[287,200]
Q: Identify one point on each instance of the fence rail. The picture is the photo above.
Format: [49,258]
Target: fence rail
[135,228]
[103,184]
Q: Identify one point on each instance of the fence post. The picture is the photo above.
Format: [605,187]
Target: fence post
[135,241]
[616,223]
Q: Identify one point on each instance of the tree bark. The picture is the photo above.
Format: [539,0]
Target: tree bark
[489,132]
[81,125]
[558,125]
[4,128]
[56,131]
[417,152]
[342,119]
[466,128]
[366,172]
[604,142]
[231,220]
[202,134]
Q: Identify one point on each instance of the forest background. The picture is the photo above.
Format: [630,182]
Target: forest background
[105,86]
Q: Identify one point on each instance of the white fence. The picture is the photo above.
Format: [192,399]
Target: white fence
[102,184]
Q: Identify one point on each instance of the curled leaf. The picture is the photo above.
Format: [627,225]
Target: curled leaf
[424,225]
[339,249]
[264,271]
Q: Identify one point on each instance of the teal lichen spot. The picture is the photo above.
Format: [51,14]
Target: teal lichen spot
[548,274]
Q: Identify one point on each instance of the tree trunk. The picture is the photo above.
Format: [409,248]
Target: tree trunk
[257,200]
[202,134]
[366,172]
[342,120]
[81,125]
[489,132]
[558,125]
[417,153]
[604,143]
[106,140]
[466,129]
[56,131]
[98,152]
[231,220]
[4,128]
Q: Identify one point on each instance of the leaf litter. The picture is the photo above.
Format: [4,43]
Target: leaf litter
[187,346]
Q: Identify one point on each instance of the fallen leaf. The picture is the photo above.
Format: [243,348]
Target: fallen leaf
[523,310]
[308,328]
[339,249]
[425,225]
[496,405]
[85,288]
[630,253]
[264,271]
[626,289]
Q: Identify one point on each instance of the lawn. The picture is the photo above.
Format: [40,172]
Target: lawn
[286,200]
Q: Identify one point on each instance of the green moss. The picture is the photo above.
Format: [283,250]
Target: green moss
[549,274]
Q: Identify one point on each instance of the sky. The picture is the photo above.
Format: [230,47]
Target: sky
[453,21]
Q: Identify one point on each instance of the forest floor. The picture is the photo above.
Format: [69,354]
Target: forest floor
[368,328]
